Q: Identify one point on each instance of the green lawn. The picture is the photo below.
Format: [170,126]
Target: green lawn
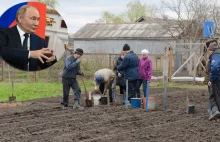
[32,90]
[28,91]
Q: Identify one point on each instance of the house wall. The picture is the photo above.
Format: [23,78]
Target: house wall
[108,49]
[155,47]
[57,36]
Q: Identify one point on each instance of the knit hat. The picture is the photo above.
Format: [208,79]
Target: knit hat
[144,51]
[126,47]
[211,41]
[98,79]
[79,51]
[212,47]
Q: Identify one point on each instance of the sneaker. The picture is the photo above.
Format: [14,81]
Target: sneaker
[77,106]
[214,116]
[65,107]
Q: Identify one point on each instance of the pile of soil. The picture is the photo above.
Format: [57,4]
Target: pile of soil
[44,120]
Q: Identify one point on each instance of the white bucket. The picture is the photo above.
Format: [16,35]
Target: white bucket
[119,99]
[96,98]
[151,103]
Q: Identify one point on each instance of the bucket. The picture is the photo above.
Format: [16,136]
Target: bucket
[151,103]
[191,109]
[135,102]
[119,99]
[103,100]
[96,98]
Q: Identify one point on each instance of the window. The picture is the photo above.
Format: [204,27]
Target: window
[63,24]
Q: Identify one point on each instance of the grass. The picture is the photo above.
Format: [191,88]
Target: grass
[27,91]
[32,90]
[178,85]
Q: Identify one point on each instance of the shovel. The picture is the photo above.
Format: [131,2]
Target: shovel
[89,102]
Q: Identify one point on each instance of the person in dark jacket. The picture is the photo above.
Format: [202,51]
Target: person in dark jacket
[130,67]
[214,83]
[120,74]
[207,73]
[70,71]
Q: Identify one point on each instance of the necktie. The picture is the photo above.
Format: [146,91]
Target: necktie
[26,35]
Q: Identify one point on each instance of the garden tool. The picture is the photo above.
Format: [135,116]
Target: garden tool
[12,98]
[89,102]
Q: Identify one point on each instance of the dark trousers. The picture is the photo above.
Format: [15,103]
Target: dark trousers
[132,89]
[67,83]
[215,96]
[102,88]
[139,83]
[211,98]
[122,89]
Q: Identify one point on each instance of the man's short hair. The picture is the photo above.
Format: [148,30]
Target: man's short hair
[22,10]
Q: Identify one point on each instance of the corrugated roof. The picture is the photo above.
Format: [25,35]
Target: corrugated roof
[122,31]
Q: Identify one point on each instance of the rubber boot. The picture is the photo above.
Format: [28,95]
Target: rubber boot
[77,105]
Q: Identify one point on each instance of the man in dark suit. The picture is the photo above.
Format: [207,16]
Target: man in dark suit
[20,47]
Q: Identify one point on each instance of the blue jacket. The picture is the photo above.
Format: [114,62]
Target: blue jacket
[71,68]
[215,66]
[130,66]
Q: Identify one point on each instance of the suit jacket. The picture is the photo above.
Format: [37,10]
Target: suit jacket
[12,52]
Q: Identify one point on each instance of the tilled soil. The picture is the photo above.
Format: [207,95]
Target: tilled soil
[44,120]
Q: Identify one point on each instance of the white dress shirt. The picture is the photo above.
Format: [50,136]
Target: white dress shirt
[21,33]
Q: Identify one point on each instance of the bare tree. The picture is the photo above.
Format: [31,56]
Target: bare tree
[190,15]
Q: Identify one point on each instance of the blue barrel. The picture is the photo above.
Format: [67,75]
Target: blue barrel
[135,102]
[208,29]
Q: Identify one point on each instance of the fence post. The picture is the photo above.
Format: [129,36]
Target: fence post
[195,69]
[170,64]
[35,76]
[2,70]
[109,60]
[190,62]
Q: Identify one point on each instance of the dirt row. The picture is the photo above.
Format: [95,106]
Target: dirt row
[44,120]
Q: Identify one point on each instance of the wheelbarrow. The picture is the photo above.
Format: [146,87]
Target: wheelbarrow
[88,100]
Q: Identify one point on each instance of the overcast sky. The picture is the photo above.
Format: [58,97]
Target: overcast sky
[77,13]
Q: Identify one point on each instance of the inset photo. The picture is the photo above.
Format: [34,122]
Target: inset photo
[32,36]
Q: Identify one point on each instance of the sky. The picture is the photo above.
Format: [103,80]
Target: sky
[77,13]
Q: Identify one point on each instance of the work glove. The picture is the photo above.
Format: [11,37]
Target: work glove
[119,74]
[209,83]
[81,74]
[78,61]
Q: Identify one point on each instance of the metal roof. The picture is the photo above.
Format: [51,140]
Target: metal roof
[140,30]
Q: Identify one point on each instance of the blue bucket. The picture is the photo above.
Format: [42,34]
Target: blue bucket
[135,102]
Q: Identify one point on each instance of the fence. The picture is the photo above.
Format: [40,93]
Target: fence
[189,59]
[182,61]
